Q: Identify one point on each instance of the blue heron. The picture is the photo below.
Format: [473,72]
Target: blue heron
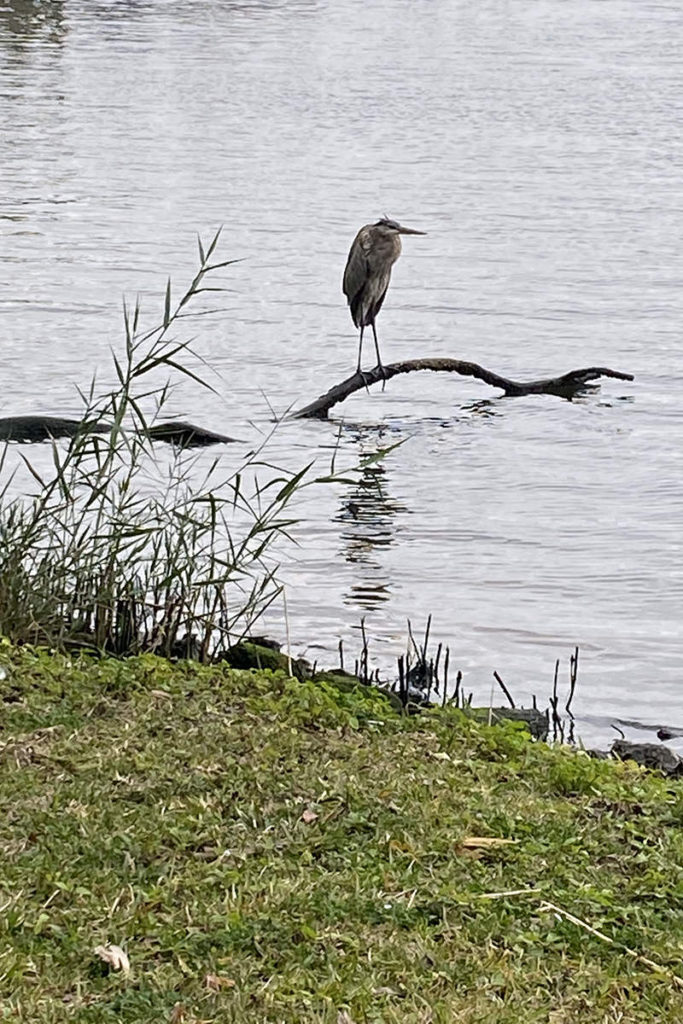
[375,249]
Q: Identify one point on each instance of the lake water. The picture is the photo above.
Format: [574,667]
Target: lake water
[539,146]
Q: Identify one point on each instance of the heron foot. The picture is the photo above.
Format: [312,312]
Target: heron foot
[383,374]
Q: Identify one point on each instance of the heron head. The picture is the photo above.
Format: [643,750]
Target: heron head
[393,227]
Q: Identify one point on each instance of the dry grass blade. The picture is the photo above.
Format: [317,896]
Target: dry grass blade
[485,842]
[214,982]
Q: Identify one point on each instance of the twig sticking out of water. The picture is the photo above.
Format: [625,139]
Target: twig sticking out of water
[558,722]
[504,689]
[558,727]
[402,685]
[573,673]
[421,674]
[423,671]
[362,667]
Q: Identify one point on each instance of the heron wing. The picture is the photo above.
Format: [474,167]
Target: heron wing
[379,297]
[356,274]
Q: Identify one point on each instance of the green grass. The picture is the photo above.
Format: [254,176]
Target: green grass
[160,807]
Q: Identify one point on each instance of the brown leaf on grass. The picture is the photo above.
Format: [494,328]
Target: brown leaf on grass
[114,956]
[215,983]
[309,816]
[485,842]
[178,1014]
[344,1017]
[477,847]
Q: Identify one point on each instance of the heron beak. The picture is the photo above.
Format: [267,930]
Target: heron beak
[410,231]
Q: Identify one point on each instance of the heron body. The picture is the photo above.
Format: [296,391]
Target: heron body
[375,249]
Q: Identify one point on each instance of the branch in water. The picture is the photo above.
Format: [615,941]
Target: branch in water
[565,386]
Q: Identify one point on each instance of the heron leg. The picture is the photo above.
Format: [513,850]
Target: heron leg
[360,348]
[380,365]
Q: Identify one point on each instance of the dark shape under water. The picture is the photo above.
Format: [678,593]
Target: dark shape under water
[36,428]
[31,429]
[186,435]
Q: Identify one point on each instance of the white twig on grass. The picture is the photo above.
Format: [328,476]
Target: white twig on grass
[507,892]
[659,968]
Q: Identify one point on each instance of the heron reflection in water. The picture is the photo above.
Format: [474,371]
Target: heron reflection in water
[375,249]
[368,514]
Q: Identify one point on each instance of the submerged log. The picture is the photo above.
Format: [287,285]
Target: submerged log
[565,386]
[186,435]
[31,429]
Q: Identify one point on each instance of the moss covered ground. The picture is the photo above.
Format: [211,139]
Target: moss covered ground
[266,849]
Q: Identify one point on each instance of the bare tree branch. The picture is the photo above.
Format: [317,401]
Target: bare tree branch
[565,386]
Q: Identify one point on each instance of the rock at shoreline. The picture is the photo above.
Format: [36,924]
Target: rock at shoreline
[261,653]
[535,720]
[247,654]
[649,755]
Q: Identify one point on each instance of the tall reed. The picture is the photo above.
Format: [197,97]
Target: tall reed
[98,558]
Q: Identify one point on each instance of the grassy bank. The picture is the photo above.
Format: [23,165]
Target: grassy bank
[270,850]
